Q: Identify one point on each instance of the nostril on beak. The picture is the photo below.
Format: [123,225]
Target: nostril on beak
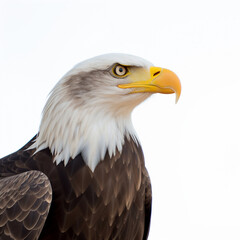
[156,73]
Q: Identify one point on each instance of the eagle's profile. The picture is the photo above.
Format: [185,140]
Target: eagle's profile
[83,175]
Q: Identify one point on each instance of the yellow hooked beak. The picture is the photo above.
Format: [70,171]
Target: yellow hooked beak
[159,80]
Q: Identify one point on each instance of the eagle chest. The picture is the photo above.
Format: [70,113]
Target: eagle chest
[108,201]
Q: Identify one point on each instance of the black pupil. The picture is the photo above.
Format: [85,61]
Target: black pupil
[120,70]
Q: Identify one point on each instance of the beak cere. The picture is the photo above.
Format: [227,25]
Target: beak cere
[161,81]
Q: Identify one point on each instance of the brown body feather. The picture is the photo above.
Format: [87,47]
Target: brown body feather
[113,202]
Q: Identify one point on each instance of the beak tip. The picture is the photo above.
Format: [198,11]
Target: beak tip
[177,98]
[176,101]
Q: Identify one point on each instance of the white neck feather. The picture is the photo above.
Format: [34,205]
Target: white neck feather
[68,129]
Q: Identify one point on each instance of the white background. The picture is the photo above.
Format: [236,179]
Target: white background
[192,149]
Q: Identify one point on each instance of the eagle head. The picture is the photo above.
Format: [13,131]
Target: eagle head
[89,109]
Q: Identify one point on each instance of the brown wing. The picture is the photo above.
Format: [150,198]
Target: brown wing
[148,205]
[25,200]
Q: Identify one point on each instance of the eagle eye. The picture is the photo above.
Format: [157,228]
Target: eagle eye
[120,70]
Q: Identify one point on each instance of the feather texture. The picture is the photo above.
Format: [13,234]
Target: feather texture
[113,202]
[24,204]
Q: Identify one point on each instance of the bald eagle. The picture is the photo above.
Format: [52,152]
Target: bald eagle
[83,175]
